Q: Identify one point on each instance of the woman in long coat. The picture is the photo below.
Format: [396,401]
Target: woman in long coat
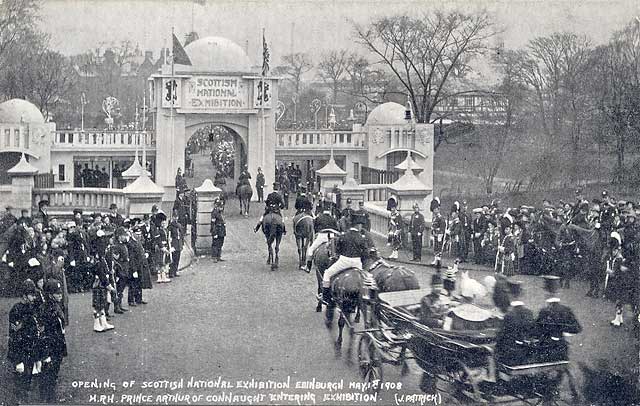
[506,254]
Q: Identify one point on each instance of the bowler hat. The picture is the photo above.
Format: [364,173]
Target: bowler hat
[42,203]
[113,206]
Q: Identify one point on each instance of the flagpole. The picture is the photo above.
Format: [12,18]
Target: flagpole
[172,89]
[262,124]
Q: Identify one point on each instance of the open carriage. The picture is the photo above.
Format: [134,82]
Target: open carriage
[459,357]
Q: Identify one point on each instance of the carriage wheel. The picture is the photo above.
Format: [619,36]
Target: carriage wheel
[369,360]
[464,383]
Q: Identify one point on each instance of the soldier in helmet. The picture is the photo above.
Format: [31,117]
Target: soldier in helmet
[218,232]
[273,204]
[54,343]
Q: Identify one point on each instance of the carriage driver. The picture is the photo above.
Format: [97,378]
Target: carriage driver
[352,246]
[323,225]
[273,204]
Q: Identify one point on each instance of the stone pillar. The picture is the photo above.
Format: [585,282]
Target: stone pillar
[410,190]
[351,190]
[207,193]
[142,194]
[22,184]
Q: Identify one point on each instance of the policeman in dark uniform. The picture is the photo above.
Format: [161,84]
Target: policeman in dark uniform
[218,232]
[24,335]
[54,343]
[177,241]
[273,204]
[554,322]
[362,212]
[120,256]
[347,211]
[323,225]
[260,182]
[416,229]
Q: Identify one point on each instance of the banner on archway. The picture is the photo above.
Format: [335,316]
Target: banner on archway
[217,92]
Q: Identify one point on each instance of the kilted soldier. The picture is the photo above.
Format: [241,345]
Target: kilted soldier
[395,230]
[621,278]
[101,285]
[416,229]
[218,232]
[438,229]
[120,256]
[162,249]
[506,253]
[456,235]
[54,343]
[23,348]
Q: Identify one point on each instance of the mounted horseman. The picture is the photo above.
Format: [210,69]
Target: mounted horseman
[273,225]
[303,229]
[324,225]
[244,191]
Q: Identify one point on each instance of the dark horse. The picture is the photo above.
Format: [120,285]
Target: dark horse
[273,228]
[303,230]
[244,195]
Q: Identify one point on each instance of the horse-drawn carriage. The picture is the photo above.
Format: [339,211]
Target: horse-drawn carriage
[459,357]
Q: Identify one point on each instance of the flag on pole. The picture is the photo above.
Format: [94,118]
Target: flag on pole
[179,54]
[265,56]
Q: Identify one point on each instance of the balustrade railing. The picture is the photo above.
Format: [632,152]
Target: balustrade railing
[376,192]
[321,139]
[92,199]
[111,138]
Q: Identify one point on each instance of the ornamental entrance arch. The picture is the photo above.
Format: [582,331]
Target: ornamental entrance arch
[221,87]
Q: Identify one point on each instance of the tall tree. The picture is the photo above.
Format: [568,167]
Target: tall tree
[425,53]
[294,66]
[332,69]
[364,81]
[555,68]
[17,25]
[616,92]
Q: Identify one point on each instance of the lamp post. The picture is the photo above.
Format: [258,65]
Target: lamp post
[332,119]
[315,107]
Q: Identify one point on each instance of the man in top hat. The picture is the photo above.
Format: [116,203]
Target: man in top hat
[478,228]
[416,229]
[116,218]
[43,207]
[554,322]
[260,183]
[323,226]
[518,327]
[273,204]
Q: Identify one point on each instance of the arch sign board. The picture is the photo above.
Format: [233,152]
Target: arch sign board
[216,92]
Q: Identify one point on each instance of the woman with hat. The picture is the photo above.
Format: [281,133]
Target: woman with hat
[506,253]
[395,230]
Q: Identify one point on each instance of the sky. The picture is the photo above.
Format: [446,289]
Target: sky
[304,25]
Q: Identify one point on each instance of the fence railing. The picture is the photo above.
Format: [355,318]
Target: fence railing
[44,181]
[321,139]
[87,138]
[380,176]
[90,199]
